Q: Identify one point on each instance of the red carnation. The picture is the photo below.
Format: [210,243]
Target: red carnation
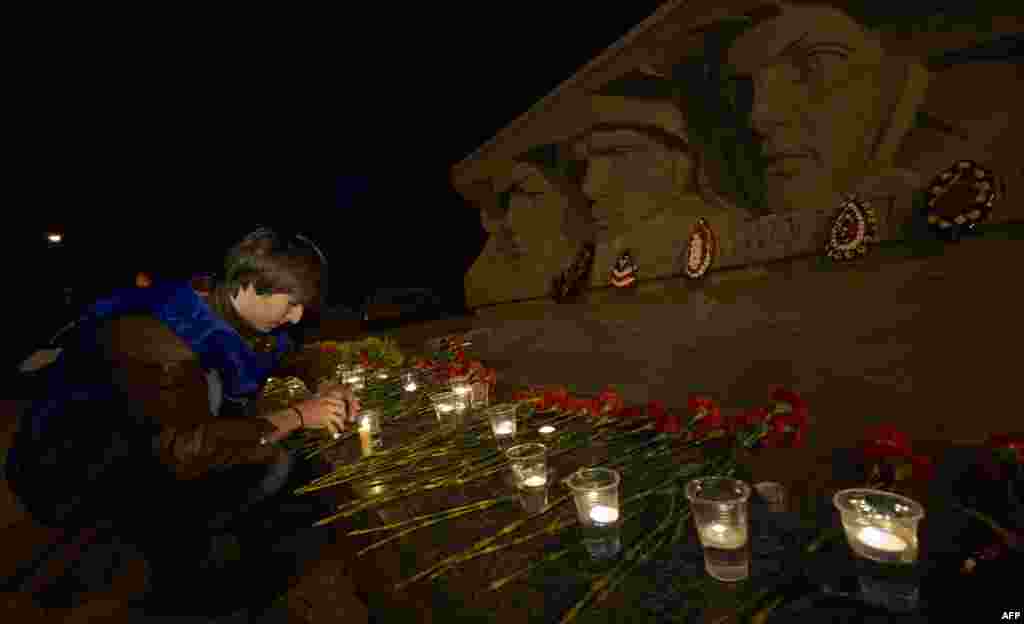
[631,412]
[885,441]
[664,421]
[555,397]
[923,468]
[749,418]
[1012,446]
[611,402]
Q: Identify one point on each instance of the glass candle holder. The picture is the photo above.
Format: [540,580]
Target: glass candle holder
[596,494]
[352,376]
[447,406]
[774,494]
[410,381]
[880,526]
[481,394]
[369,431]
[547,433]
[529,465]
[503,423]
[462,387]
[719,507]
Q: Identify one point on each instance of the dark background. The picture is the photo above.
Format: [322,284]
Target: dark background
[156,146]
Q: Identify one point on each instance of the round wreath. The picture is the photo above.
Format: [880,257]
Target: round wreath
[700,250]
[853,228]
[981,194]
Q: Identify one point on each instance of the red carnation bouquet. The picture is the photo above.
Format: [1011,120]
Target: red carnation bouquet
[782,423]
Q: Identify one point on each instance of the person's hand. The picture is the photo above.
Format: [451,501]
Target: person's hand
[344,393]
[325,412]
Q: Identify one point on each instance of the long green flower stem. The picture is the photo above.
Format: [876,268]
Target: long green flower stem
[598,586]
[659,537]
[471,509]
[550,557]
[411,489]
[552,528]
[449,511]
[487,541]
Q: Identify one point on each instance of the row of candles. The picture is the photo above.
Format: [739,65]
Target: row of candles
[879,526]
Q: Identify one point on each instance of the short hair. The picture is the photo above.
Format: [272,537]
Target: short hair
[278,263]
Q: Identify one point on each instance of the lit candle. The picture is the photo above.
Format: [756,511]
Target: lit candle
[410,387]
[603,514]
[364,436]
[352,380]
[535,481]
[504,428]
[722,536]
[445,407]
[882,540]
[382,375]
[546,430]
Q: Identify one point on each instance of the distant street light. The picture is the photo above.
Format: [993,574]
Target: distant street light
[54,238]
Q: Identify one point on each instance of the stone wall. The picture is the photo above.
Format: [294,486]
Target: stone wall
[630,159]
[927,343]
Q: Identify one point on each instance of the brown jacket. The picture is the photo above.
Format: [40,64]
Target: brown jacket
[161,377]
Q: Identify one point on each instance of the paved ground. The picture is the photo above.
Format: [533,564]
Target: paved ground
[932,345]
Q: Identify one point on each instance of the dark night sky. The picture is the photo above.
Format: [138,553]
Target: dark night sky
[166,167]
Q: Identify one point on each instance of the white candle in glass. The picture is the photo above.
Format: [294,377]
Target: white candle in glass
[722,536]
[603,514]
[885,541]
[504,428]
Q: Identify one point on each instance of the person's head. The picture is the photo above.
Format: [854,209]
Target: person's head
[273,278]
[143,279]
[818,101]
[633,172]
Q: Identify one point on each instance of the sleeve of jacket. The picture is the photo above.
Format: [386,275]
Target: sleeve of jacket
[160,376]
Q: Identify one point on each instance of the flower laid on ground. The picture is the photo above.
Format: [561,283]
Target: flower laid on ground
[372,352]
[782,423]
[887,455]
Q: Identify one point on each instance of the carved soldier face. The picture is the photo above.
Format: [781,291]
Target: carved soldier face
[816,76]
[631,175]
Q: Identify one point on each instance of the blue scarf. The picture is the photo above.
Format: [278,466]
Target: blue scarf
[219,346]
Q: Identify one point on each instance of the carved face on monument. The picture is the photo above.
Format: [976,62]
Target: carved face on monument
[817,102]
[633,173]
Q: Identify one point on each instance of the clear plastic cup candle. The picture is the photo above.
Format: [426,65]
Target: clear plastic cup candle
[529,465]
[481,396]
[596,494]
[719,507]
[446,405]
[774,494]
[461,387]
[503,423]
[880,526]
[352,376]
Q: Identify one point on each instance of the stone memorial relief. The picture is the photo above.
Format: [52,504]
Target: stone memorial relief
[768,122]
[639,183]
[526,242]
